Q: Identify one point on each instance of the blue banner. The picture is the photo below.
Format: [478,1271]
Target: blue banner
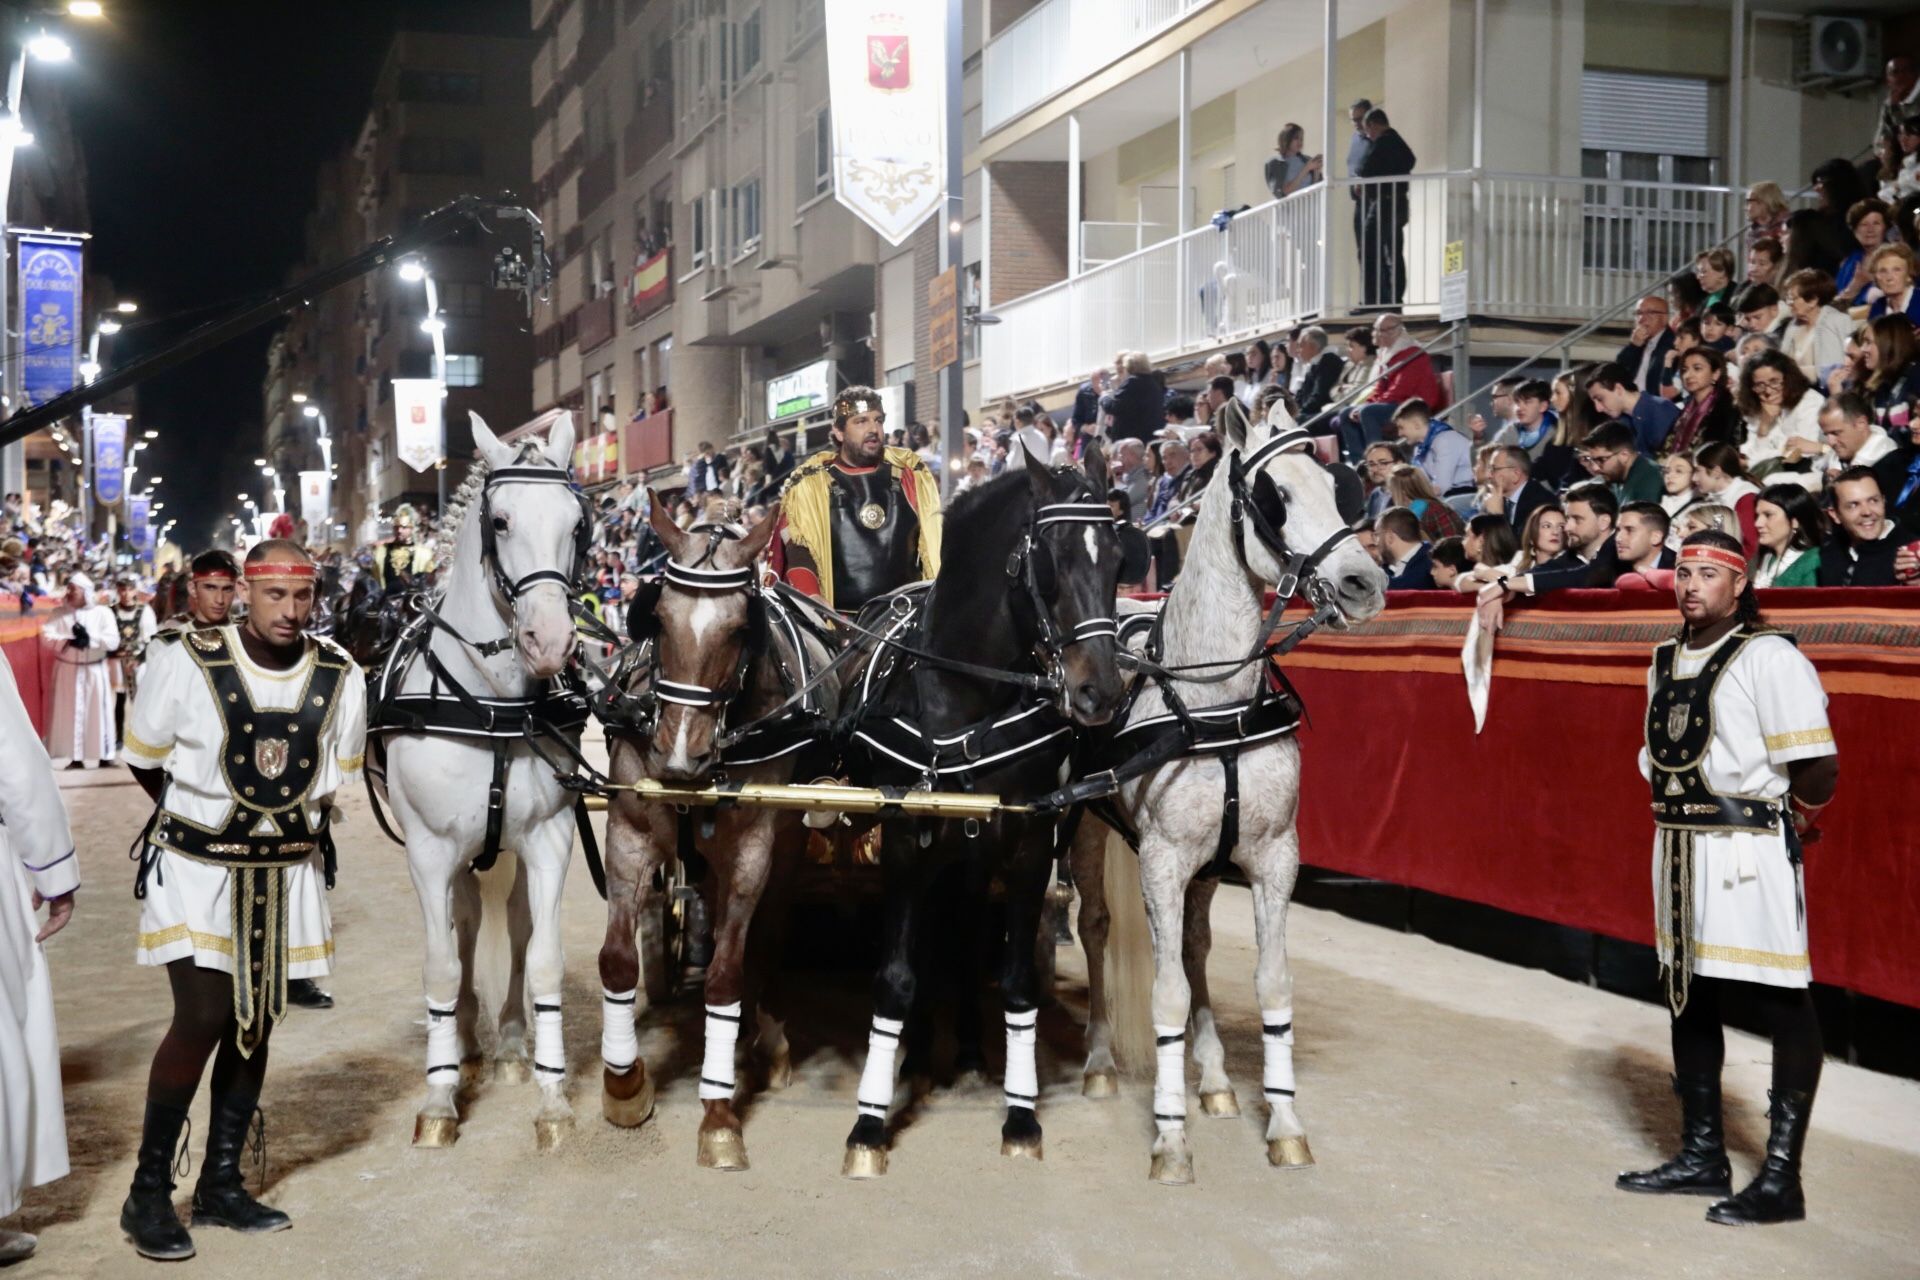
[138,526]
[50,276]
[109,457]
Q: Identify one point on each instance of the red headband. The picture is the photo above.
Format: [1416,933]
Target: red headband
[279,569]
[1700,554]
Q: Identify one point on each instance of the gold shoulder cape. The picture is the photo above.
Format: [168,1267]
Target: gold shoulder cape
[806,504]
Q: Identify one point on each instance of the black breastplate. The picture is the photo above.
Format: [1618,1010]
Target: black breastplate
[1679,735]
[876,536]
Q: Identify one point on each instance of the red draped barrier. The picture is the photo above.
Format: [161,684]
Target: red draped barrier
[1544,812]
[20,641]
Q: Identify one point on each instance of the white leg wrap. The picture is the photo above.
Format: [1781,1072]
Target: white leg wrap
[876,1081]
[549,1045]
[619,1044]
[443,1044]
[1022,1085]
[1170,1079]
[1276,1038]
[716,1069]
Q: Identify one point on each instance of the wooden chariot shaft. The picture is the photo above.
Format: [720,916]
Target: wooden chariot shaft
[818,796]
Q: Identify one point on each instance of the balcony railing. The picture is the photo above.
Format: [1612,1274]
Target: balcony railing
[597,180]
[1538,248]
[596,321]
[1058,43]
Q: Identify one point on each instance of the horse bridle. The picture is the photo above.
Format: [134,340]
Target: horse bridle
[1032,561]
[1244,477]
[701,575]
[512,589]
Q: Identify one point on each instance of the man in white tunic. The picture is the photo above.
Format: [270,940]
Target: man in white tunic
[82,635]
[242,734]
[36,866]
[1741,760]
[136,623]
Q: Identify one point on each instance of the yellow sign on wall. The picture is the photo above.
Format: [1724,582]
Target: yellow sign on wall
[1454,259]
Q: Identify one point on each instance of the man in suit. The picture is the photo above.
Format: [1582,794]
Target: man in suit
[1645,355]
[1404,552]
[1514,487]
[1319,370]
[1862,552]
[1591,513]
[1384,213]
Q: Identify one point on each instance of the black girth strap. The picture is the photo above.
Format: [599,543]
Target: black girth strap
[496,810]
[1229,816]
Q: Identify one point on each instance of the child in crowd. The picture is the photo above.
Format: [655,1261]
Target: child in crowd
[1719,327]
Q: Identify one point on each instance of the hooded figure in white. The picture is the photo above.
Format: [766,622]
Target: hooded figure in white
[81,635]
[37,864]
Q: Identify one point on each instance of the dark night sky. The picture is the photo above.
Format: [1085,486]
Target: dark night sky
[202,123]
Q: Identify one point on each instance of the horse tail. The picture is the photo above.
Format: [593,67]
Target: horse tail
[493,945]
[1129,961]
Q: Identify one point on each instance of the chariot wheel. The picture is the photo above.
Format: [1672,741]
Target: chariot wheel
[663,938]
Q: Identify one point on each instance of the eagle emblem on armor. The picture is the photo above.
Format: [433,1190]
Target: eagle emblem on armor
[1677,720]
[270,756]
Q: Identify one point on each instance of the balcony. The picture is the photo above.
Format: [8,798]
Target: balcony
[1555,250]
[648,131]
[597,180]
[596,322]
[1059,43]
[647,444]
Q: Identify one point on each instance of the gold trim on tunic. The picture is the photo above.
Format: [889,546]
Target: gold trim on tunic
[173,933]
[132,742]
[1798,738]
[1743,955]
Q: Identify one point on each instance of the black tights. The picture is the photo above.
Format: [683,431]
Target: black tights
[203,1027]
[1700,1047]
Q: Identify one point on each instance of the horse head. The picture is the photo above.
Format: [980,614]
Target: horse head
[1071,578]
[705,623]
[533,529]
[1290,508]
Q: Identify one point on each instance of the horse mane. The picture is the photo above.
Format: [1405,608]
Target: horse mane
[447,533]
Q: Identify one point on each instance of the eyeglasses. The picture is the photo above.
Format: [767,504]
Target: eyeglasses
[1769,384]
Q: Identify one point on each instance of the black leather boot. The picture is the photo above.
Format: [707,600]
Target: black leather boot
[148,1216]
[1775,1195]
[220,1199]
[1701,1168]
[308,994]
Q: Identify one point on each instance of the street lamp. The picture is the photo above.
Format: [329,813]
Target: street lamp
[414,271]
[50,48]
[325,442]
[86,9]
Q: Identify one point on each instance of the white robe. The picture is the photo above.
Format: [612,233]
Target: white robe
[1768,710]
[80,720]
[175,725]
[36,853]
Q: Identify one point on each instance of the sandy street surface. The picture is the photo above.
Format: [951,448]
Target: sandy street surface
[1467,1116]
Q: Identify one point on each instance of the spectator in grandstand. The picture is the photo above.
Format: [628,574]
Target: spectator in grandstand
[1317,372]
[1676,484]
[1869,221]
[1205,455]
[1718,327]
[1686,299]
[1556,463]
[1227,417]
[1534,420]
[1490,542]
[1590,511]
[1890,359]
[1854,439]
[1289,168]
[1815,242]
[1500,398]
[1029,437]
[1645,355]
[1641,558]
[1443,453]
[1862,552]
[1837,187]
[1129,473]
[1707,515]
[1404,552]
[1408,486]
[1138,404]
[1720,476]
[1384,211]
[1902,97]
[1449,562]
[1516,493]
[706,470]
[1782,413]
[1709,412]
[1763,262]
[1176,467]
[1766,213]
[1792,529]
[1135,555]
[1543,538]
[1262,370]
[1753,344]
[1609,454]
[1816,336]
[1362,352]
[1616,395]
[1086,400]
[1906,175]
[1713,268]
[1401,372]
[1369,543]
[1377,465]
[1892,269]
[1758,308]
[1179,414]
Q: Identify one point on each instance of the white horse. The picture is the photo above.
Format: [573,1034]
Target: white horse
[505,605]
[1213,613]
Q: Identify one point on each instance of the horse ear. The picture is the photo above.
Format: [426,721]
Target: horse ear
[670,534]
[1094,463]
[1039,474]
[748,548]
[496,454]
[560,441]
[1278,418]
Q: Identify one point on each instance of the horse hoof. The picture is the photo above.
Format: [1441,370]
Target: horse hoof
[864,1162]
[626,1099]
[723,1149]
[1289,1153]
[1100,1084]
[1222,1104]
[511,1071]
[550,1133]
[1021,1148]
[436,1131]
[1171,1169]
[780,1073]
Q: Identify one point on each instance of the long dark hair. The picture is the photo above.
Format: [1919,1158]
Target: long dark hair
[1809,521]
[1499,544]
[1747,611]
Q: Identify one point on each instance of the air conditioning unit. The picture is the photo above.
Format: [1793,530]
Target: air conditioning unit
[1837,51]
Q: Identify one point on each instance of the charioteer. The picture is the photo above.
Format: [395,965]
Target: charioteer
[1741,761]
[242,735]
[402,563]
[861,519]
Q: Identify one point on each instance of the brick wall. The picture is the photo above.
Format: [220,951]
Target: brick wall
[1029,227]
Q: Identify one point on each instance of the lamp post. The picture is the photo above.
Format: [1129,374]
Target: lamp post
[325,441]
[413,269]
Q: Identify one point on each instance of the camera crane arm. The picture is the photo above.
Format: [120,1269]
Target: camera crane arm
[530,277]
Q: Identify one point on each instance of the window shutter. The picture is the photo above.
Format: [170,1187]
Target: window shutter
[1659,115]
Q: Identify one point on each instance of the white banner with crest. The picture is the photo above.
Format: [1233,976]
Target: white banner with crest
[314,507]
[417,406]
[887,73]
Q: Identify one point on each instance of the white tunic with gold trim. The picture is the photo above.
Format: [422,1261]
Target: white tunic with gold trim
[1768,710]
[175,725]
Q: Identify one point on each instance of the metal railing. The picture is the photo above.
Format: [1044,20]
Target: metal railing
[1104,242]
[1058,43]
[1535,246]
